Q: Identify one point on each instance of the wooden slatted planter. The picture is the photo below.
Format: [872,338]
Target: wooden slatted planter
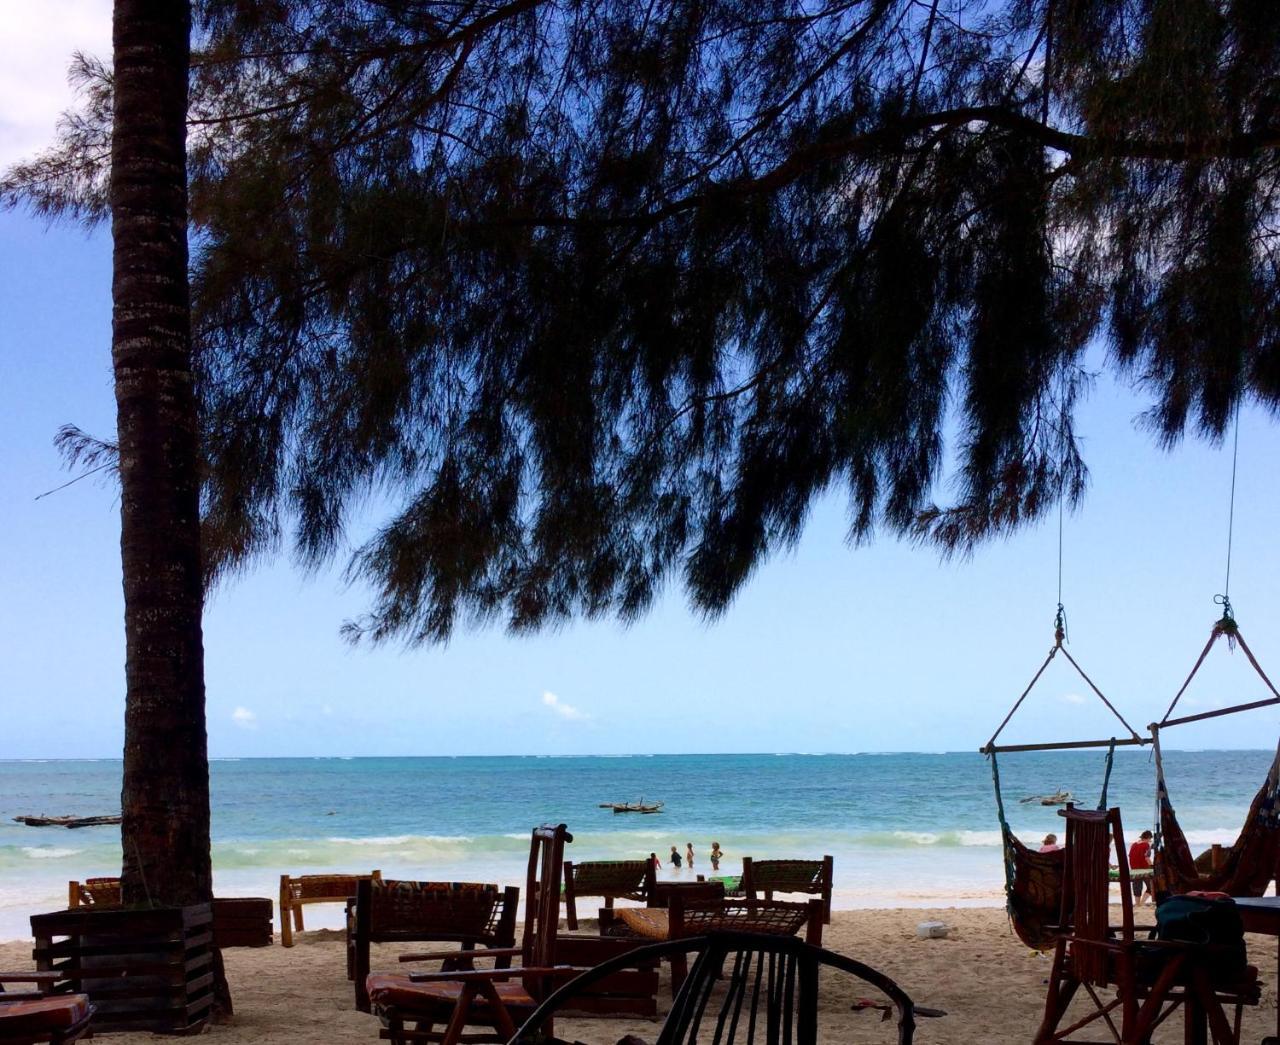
[143,969]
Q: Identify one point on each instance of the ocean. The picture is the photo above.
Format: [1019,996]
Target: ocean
[905,829]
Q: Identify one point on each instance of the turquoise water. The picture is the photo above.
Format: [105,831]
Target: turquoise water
[905,829]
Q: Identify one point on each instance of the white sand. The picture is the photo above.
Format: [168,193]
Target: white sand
[991,986]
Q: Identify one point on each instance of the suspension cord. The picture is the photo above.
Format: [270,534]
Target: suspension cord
[1106,776]
[1231,512]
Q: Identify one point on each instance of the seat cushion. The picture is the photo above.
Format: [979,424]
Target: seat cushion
[399,992]
[42,1014]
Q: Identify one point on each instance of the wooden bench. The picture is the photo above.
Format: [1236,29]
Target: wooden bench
[296,893]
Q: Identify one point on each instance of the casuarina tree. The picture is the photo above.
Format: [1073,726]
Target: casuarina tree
[585,298]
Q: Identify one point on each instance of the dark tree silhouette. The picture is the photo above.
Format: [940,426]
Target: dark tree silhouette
[595,294]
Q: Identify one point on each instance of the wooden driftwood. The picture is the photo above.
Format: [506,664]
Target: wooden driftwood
[67,821]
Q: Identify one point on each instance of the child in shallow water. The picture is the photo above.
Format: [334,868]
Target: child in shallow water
[688,853]
[675,858]
[715,856]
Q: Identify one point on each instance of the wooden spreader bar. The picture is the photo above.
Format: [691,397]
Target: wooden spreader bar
[1066,745]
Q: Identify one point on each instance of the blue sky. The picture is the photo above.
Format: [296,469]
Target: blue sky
[827,649]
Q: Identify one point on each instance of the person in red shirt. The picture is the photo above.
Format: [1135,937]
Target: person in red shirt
[1140,860]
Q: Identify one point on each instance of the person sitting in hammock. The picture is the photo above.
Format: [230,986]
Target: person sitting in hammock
[1140,860]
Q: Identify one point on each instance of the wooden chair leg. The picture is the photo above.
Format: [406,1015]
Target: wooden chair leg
[1057,998]
[297,918]
[458,1021]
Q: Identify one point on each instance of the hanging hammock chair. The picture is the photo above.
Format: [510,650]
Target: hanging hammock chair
[1033,880]
[1251,863]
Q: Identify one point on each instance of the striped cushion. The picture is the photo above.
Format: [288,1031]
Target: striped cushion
[42,1014]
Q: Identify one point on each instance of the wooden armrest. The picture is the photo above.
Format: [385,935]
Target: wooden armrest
[463,975]
[30,977]
[464,952]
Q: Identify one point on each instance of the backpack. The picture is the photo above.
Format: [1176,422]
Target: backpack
[1205,921]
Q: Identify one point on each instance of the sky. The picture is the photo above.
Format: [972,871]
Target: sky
[828,648]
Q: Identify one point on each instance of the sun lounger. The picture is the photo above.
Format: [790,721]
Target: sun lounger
[813,877]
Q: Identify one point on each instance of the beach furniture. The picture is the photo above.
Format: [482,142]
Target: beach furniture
[688,915]
[150,969]
[297,893]
[35,1015]
[1033,880]
[473,914]
[1151,977]
[440,1006]
[100,892]
[241,921]
[743,989]
[610,879]
[1248,867]
[812,877]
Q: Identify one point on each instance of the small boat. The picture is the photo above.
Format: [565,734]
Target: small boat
[1059,798]
[67,821]
[633,807]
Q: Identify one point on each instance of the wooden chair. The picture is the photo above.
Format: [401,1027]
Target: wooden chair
[695,918]
[99,892]
[411,1007]
[473,914]
[812,877]
[610,879]
[296,893]
[33,1016]
[1152,978]
[769,994]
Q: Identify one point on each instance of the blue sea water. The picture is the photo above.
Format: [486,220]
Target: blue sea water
[905,829]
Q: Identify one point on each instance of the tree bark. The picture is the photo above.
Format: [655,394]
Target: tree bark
[165,797]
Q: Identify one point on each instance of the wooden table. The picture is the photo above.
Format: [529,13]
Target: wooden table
[1261,915]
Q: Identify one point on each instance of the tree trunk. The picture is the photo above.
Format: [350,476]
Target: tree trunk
[165,797]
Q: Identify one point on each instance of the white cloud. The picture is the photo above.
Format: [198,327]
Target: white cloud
[244,718]
[1072,698]
[561,708]
[327,709]
[35,52]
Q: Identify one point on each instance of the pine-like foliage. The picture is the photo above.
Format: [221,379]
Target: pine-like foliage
[595,291]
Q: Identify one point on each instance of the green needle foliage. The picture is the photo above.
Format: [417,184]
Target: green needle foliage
[597,291]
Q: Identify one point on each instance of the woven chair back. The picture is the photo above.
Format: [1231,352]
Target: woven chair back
[328,888]
[96,892]
[691,917]
[436,910]
[1094,839]
[784,876]
[615,879]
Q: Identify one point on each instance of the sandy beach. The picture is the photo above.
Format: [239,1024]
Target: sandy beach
[990,986]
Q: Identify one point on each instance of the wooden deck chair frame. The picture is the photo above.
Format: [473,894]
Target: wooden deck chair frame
[610,879]
[494,998]
[42,983]
[303,890]
[1152,977]
[483,921]
[811,877]
[94,892]
[777,972]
